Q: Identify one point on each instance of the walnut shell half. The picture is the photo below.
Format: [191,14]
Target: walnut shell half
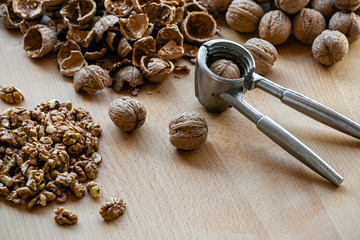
[129,74]
[136,26]
[156,69]
[9,18]
[198,27]
[91,78]
[39,40]
[28,9]
[78,12]
[73,63]
[119,8]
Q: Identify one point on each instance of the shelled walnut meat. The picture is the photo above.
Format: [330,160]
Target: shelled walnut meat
[112,209]
[63,216]
[11,94]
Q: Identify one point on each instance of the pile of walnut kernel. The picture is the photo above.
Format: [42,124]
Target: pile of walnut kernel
[130,39]
[46,152]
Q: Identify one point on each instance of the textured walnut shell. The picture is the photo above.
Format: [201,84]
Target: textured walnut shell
[275,27]
[219,5]
[58,26]
[194,7]
[188,131]
[264,54]
[65,50]
[103,25]
[119,8]
[127,113]
[190,50]
[325,7]
[156,69]
[347,23]
[198,27]
[350,5]
[91,78]
[27,9]
[39,40]
[170,43]
[51,3]
[159,13]
[136,26]
[72,64]
[129,74]
[330,47]
[78,12]
[143,47]
[225,68]
[9,18]
[82,37]
[307,25]
[96,51]
[124,48]
[244,15]
[291,6]
[171,51]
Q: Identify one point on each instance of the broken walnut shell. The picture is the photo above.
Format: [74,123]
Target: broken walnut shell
[159,14]
[129,74]
[142,47]
[9,18]
[104,23]
[65,50]
[91,78]
[119,8]
[78,12]
[123,48]
[39,40]
[73,63]
[156,69]
[198,27]
[136,26]
[28,9]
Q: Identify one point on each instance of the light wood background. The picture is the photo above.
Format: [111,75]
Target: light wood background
[239,185]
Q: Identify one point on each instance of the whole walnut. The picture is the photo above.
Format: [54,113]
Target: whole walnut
[188,131]
[219,5]
[325,7]
[264,54]
[127,113]
[226,69]
[275,27]
[291,6]
[330,47]
[244,15]
[347,23]
[308,24]
[91,78]
[350,5]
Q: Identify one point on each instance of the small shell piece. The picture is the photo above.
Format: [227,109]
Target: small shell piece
[291,6]
[39,40]
[225,68]
[65,50]
[28,9]
[170,43]
[156,69]
[91,78]
[325,7]
[119,8]
[198,27]
[159,14]
[143,47]
[350,5]
[127,113]
[82,37]
[136,26]
[78,12]
[188,131]
[330,47]
[244,15]
[11,94]
[123,48]
[264,54]
[347,23]
[9,18]
[129,74]
[171,51]
[275,27]
[308,24]
[63,216]
[103,25]
[72,64]
[112,208]
[219,5]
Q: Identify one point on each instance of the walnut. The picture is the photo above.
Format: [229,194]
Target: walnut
[77,13]
[198,27]
[91,78]
[291,6]
[9,18]
[325,7]
[103,25]
[11,94]
[129,74]
[136,26]
[127,113]
[188,131]
[65,50]
[350,5]
[45,197]
[28,9]
[119,8]
[275,27]
[63,216]
[225,68]
[244,15]
[77,188]
[156,69]
[73,64]
[159,14]
[307,25]
[94,189]
[219,5]
[330,47]
[143,47]
[347,23]
[112,208]
[39,40]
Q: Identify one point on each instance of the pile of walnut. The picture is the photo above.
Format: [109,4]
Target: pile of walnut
[306,19]
[46,151]
[128,39]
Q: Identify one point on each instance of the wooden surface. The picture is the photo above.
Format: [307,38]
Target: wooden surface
[239,185]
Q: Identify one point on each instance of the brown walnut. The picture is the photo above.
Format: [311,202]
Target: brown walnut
[91,78]
[219,5]
[275,27]
[291,6]
[39,40]
[347,23]
[112,208]
[325,7]
[156,69]
[129,74]
[349,5]
[225,68]
[11,94]
[63,216]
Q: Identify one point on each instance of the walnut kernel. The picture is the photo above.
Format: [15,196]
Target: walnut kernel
[112,208]
[347,23]
[11,94]
[225,68]
[63,216]
[275,27]
[94,189]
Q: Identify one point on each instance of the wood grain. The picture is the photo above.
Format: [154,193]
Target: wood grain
[239,185]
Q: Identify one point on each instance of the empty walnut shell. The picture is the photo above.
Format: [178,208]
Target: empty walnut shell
[194,7]
[65,50]
[9,18]
[291,6]
[39,40]
[78,12]
[124,48]
[28,9]
[119,8]
[72,64]
[82,37]
[188,131]
[347,23]
[96,51]
[225,68]
[156,69]
[91,78]
[275,27]
[159,13]
[171,51]
[136,26]
[127,113]
[198,27]
[350,5]
[129,74]
[330,47]
[168,33]
[143,47]
[103,25]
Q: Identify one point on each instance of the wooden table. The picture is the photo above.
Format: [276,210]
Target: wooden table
[239,185]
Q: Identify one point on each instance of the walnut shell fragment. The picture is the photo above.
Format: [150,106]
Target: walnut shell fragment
[28,9]
[112,208]
[156,69]
[39,40]
[96,52]
[129,74]
[143,47]
[72,64]
[82,37]
[188,131]
[136,26]
[63,216]
[198,27]
[127,113]
[346,23]
[124,48]
[159,14]
[65,50]
[330,47]
[77,13]
[275,27]
[11,94]
[226,69]
[91,78]
[9,18]
[103,25]
[190,50]
[119,8]
[171,51]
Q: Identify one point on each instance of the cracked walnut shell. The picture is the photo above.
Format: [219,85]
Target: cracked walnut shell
[225,68]
[156,69]
[72,64]
[28,9]
[127,113]
[346,23]
[136,26]
[244,15]
[78,12]
[112,208]
[275,27]
[188,131]
[119,8]
[39,40]
[291,6]
[198,27]
[349,5]
[63,216]
[330,47]
[8,17]
[129,74]
[11,94]
[91,78]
